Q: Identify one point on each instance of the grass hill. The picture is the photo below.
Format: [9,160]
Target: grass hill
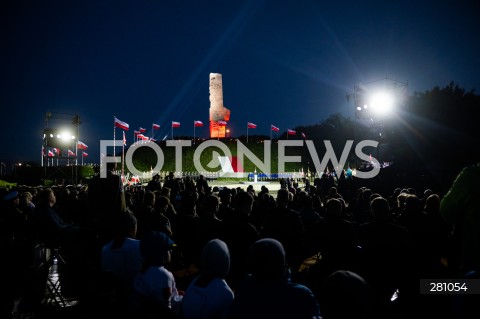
[145,158]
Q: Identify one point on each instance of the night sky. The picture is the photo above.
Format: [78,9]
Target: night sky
[286,63]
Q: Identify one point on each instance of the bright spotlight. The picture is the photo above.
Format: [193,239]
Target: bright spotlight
[382,103]
[65,136]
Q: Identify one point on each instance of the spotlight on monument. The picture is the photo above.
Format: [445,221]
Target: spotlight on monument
[381,103]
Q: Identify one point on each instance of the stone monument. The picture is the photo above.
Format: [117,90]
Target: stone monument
[218,112]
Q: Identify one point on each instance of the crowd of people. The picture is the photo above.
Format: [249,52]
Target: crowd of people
[179,248]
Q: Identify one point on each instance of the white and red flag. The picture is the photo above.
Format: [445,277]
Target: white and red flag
[70,153]
[50,153]
[175,124]
[274,128]
[120,124]
[56,151]
[222,123]
[124,139]
[142,137]
[251,125]
[303,135]
[197,123]
[84,154]
[142,130]
[291,132]
[82,146]
[156,126]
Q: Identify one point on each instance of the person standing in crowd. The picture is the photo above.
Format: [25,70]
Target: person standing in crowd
[285,225]
[202,185]
[239,234]
[461,208]
[106,201]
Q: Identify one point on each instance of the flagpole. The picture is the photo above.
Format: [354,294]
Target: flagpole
[113,144]
[172,129]
[76,156]
[271,132]
[193,132]
[123,159]
[247,133]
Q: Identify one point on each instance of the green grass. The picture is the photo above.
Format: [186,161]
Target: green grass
[145,158]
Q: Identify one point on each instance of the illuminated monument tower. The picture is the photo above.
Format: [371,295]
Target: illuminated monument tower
[217,111]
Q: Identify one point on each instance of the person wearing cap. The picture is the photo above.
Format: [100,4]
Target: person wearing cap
[209,296]
[155,289]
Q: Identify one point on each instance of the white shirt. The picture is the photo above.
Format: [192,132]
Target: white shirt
[153,282]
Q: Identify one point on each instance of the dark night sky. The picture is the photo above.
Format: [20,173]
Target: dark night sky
[285,63]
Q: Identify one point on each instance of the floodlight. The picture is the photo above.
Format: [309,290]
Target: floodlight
[66,136]
[381,102]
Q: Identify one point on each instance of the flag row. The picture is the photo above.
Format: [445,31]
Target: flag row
[276,129]
[196,123]
[57,152]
